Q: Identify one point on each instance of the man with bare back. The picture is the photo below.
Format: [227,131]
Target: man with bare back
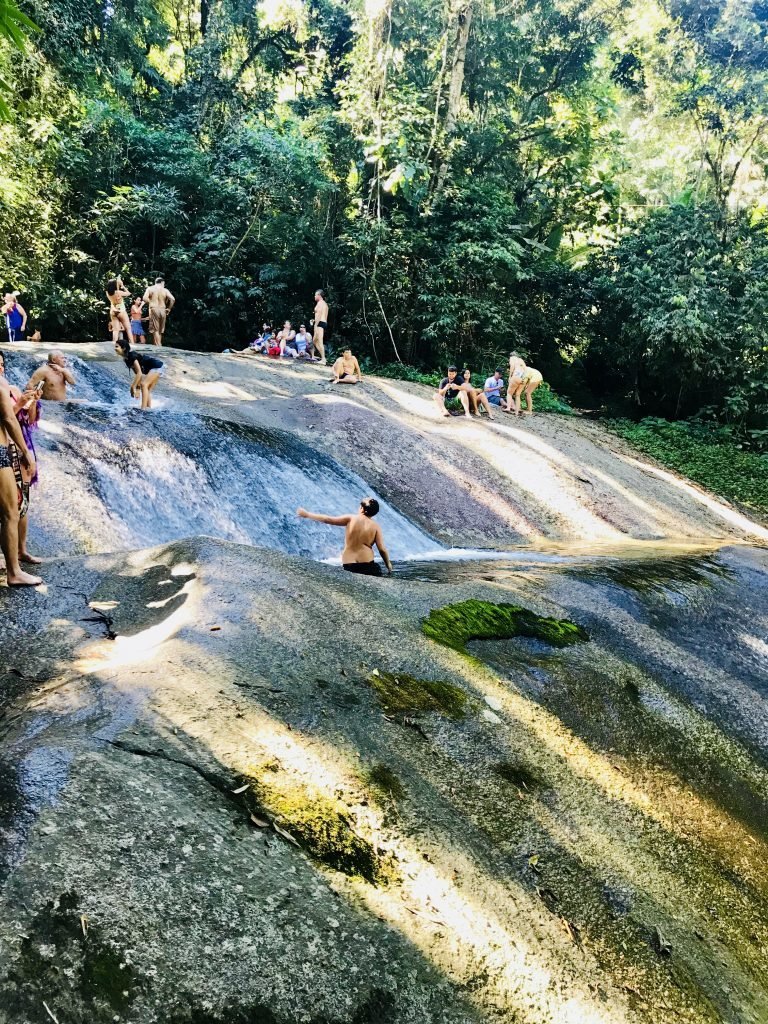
[9,491]
[160,302]
[320,325]
[360,535]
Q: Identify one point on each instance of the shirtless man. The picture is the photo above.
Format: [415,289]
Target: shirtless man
[346,369]
[9,493]
[160,302]
[54,376]
[320,325]
[360,536]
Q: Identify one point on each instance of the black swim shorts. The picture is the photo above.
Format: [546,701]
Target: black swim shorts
[323,324]
[363,568]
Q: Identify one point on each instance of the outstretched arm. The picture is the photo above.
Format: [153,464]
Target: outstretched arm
[379,542]
[319,518]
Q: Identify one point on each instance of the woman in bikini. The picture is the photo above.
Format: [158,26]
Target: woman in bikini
[118,315]
[516,373]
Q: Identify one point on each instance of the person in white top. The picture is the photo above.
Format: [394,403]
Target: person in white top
[493,388]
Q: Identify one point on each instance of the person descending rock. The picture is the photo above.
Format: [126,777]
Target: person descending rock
[10,503]
[346,369]
[516,371]
[452,388]
[160,302]
[527,381]
[54,376]
[360,537]
[320,326]
[147,371]
[118,315]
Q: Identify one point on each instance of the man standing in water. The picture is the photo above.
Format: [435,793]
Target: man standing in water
[9,491]
[320,325]
[54,376]
[160,302]
[360,536]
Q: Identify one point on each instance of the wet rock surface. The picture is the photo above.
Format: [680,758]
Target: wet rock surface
[200,823]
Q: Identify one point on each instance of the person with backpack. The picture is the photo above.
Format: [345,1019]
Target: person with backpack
[147,371]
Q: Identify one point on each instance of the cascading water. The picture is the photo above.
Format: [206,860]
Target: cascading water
[114,478]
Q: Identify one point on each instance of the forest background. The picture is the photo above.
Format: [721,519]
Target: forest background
[584,180]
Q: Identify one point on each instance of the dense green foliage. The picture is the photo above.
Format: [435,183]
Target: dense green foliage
[583,180]
[713,458]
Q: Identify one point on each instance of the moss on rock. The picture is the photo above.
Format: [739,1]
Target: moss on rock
[385,780]
[325,829]
[456,624]
[400,693]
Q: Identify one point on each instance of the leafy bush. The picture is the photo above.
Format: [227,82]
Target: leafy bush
[711,457]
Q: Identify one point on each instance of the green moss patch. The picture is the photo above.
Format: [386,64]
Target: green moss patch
[400,693]
[325,829]
[456,624]
[385,780]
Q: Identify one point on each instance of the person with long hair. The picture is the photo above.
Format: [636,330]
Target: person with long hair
[118,314]
[147,371]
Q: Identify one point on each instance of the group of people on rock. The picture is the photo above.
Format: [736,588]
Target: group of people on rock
[457,392]
[156,298]
[288,343]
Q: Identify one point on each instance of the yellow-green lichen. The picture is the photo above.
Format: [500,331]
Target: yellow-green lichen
[456,624]
[325,829]
[400,693]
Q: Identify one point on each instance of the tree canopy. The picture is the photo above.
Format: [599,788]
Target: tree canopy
[581,179]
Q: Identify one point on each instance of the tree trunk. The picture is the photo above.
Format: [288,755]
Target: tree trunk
[462,15]
[205,11]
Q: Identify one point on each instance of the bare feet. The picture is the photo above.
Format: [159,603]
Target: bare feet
[27,559]
[23,579]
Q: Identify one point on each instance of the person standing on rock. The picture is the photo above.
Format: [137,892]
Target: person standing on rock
[160,302]
[117,293]
[360,536]
[15,317]
[320,324]
[10,432]
[54,376]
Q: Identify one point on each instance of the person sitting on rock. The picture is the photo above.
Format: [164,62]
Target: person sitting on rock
[477,396]
[452,389]
[494,386]
[346,369]
[359,538]
[286,338]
